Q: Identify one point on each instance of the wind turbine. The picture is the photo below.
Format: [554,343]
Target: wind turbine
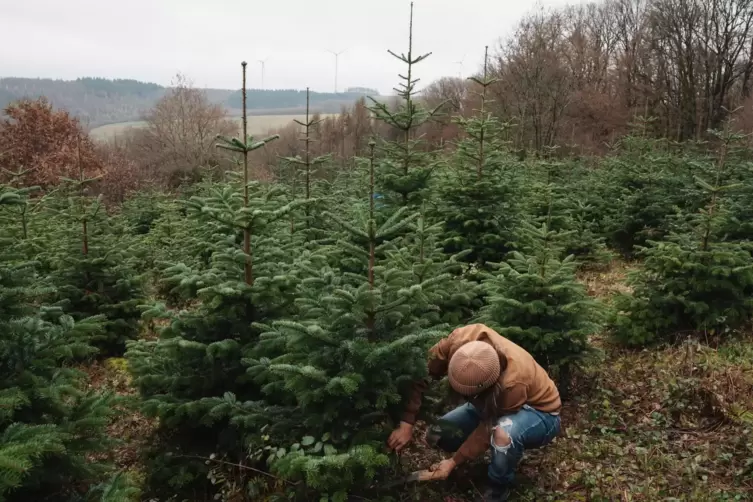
[460,63]
[262,61]
[337,58]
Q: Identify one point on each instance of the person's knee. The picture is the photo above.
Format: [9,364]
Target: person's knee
[499,467]
[501,440]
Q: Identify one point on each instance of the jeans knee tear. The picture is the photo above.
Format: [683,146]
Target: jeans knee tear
[501,440]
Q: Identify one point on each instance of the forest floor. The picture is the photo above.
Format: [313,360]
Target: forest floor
[133,431]
[674,424]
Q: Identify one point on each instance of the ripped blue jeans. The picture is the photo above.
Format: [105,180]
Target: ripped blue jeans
[528,428]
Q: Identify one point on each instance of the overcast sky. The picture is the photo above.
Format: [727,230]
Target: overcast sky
[152,40]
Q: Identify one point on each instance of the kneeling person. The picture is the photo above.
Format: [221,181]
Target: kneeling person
[511,405]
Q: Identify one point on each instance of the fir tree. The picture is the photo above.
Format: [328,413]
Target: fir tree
[92,270]
[738,225]
[479,197]
[244,148]
[184,375]
[192,375]
[535,301]
[451,299]
[19,214]
[305,178]
[175,237]
[49,428]
[142,211]
[357,339]
[405,168]
[554,202]
[586,243]
[549,197]
[694,281]
[640,189]
[31,233]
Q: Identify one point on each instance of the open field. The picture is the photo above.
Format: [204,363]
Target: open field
[257,124]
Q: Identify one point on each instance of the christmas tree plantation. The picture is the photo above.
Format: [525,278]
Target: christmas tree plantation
[695,281]
[92,265]
[49,426]
[274,315]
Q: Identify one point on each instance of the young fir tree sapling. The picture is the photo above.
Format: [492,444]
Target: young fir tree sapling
[359,337]
[244,147]
[535,301]
[306,170]
[479,197]
[694,281]
[404,167]
[92,272]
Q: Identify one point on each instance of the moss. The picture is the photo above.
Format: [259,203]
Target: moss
[117,364]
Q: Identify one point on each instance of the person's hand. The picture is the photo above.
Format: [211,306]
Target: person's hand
[400,437]
[442,470]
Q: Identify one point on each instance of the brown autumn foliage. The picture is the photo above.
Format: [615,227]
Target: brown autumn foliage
[344,136]
[38,145]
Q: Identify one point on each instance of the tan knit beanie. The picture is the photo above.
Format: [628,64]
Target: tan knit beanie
[473,368]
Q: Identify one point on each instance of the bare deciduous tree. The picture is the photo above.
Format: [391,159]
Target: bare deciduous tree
[180,132]
[592,68]
[535,83]
[580,75]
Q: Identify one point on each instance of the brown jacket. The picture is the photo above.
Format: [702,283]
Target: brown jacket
[524,382]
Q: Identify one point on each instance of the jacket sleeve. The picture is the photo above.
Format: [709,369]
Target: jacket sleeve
[437,366]
[475,444]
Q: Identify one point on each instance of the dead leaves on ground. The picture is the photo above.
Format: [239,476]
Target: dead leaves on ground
[673,424]
[129,426]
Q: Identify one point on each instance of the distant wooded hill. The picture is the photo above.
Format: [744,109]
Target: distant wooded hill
[99,101]
[293,100]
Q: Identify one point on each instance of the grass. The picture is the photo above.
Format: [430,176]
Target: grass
[257,124]
[110,130]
